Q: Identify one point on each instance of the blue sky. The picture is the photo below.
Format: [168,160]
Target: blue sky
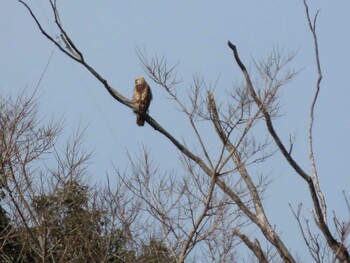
[193,34]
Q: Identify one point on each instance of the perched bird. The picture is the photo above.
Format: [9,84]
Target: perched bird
[141,98]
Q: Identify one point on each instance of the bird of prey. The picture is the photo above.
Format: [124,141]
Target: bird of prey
[141,98]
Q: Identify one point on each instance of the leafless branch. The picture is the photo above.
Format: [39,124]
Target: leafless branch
[253,246]
[312,27]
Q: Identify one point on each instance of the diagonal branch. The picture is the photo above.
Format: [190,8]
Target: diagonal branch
[237,160]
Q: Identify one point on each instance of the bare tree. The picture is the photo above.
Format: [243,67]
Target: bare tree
[227,199]
[21,144]
[48,213]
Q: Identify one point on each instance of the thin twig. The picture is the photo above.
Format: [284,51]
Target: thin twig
[199,220]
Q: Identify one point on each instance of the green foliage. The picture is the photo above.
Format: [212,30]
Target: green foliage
[117,251]
[73,227]
[74,233]
[8,248]
[155,252]
[13,248]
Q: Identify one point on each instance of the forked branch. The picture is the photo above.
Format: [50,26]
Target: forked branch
[253,246]
[74,53]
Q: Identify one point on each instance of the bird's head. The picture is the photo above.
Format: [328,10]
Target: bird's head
[139,80]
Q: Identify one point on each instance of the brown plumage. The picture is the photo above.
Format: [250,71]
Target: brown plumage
[141,98]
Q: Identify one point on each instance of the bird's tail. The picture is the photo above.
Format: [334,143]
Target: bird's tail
[140,121]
